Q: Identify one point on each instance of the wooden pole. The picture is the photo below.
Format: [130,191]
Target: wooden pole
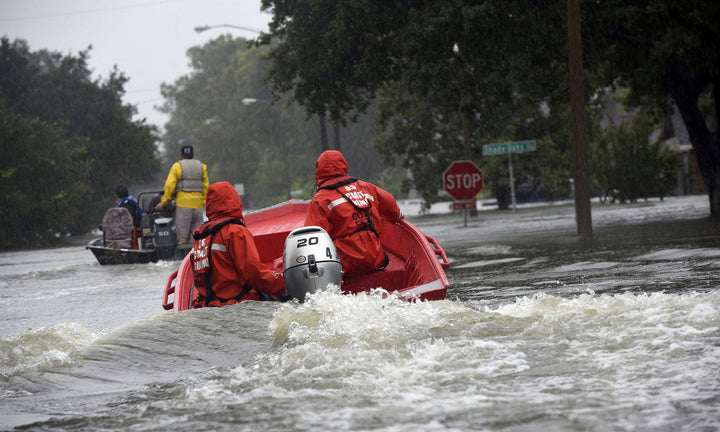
[577,102]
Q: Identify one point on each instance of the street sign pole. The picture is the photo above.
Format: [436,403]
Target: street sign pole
[465,206]
[509,148]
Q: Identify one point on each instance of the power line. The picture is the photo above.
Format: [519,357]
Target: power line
[90,11]
[148,101]
[142,90]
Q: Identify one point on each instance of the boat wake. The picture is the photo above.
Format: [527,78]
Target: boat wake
[43,349]
[374,360]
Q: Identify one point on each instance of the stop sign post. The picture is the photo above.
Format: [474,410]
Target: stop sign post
[463,180]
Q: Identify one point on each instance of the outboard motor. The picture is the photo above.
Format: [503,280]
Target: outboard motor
[165,237]
[310,262]
[147,239]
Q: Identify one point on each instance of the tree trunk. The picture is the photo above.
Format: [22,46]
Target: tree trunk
[685,92]
[323,134]
[336,132]
[502,195]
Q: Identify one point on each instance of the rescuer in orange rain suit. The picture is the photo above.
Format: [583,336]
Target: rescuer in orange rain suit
[351,211]
[226,264]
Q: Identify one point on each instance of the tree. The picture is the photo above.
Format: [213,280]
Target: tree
[475,62]
[44,179]
[86,141]
[627,165]
[447,79]
[224,110]
[323,75]
[663,50]
[243,133]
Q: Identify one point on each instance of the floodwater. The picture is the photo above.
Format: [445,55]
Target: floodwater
[538,332]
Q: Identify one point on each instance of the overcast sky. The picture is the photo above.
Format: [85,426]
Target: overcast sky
[146,39]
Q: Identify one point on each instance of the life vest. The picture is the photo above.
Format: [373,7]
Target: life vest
[202,264]
[131,199]
[192,176]
[350,191]
[133,207]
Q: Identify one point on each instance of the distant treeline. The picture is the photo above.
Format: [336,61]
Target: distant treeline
[66,140]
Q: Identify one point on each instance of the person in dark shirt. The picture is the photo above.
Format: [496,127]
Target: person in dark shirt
[124,199]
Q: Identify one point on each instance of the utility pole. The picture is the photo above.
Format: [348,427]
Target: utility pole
[577,102]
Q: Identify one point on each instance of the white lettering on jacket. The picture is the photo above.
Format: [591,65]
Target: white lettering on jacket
[202,264]
[358,197]
[200,255]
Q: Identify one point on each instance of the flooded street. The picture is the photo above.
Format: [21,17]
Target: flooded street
[538,332]
[665,246]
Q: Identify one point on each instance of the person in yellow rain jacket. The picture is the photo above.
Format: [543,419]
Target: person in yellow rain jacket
[188,178]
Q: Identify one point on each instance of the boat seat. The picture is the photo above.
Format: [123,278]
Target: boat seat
[118,228]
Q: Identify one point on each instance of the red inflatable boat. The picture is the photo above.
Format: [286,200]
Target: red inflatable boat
[415,270]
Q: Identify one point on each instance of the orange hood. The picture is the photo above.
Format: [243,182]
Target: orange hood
[331,163]
[223,201]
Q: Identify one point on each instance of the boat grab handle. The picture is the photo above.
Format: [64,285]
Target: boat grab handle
[169,289]
[439,251]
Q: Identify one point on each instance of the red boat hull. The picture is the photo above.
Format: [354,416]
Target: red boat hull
[415,270]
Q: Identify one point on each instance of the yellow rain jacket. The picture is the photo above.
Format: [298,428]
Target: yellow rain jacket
[191,198]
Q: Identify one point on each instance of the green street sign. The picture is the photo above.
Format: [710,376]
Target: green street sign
[509,147]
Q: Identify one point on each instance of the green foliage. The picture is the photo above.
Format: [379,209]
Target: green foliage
[627,166]
[43,178]
[330,56]
[245,136]
[67,141]
[392,180]
[639,45]
[415,132]
[447,79]
[409,136]
[663,50]
[451,75]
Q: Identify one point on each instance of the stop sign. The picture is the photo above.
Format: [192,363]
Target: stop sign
[463,180]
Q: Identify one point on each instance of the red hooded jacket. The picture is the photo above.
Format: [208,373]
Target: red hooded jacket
[230,254]
[341,207]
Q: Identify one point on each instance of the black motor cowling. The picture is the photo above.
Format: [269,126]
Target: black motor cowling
[165,237]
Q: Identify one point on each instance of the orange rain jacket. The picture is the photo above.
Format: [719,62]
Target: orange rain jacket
[351,211]
[224,252]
